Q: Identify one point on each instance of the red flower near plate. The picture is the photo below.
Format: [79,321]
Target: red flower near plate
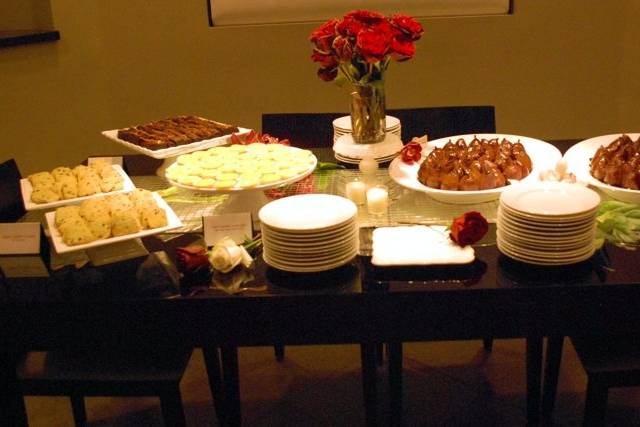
[411,152]
[189,259]
[468,228]
[254,136]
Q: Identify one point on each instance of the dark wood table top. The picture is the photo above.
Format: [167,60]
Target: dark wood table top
[493,296]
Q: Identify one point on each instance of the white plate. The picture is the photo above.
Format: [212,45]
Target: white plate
[172,222]
[165,153]
[552,199]
[543,156]
[26,189]
[268,186]
[307,212]
[309,268]
[561,220]
[545,256]
[320,256]
[545,262]
[341,244]
[578,159]
[545,246]
[344,123]
[310,240]
[345,146]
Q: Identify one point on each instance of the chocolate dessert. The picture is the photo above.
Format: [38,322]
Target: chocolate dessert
[618,163]
[481,165]
[174,131]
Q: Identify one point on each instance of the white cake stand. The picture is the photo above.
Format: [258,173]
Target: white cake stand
[248,199]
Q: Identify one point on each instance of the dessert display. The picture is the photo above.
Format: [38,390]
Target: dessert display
[618,163]
[109,216]
[238,166]
[174,131]
[481,165]
[64,183]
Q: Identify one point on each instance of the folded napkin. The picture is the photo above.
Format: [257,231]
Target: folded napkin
[417,245]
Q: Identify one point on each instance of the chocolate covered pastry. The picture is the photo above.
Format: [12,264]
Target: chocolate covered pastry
[618,163]
[481,165]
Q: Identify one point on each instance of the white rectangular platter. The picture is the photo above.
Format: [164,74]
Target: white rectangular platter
[174,151]
[172,222]
[26,189]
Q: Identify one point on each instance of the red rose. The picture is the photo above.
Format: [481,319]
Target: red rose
[323,36]
[408,26]
[343,48]
[365,16]
[192,258]
[402,50]
[411,152]
[325,61]
[468,228]
[373,45]
[349,27]
[328,74]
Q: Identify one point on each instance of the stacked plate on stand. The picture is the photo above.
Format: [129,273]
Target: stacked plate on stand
[342,126]
[309,232]
[347,151]
[547,223]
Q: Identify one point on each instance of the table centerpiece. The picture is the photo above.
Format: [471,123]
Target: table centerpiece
[358,49]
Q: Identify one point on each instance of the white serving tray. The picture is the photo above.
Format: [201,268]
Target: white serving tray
[26,189]
[172,222]
[165,153]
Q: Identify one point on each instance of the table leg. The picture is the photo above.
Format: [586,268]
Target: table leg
[214,372]
[551,374]
[534,373]
[12,409]
[369,380]
[231,379]
[395,382]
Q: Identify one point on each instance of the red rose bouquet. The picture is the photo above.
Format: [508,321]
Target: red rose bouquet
[359,47]
[468,228]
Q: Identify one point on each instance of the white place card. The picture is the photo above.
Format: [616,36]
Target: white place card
[20,238]
[111,160]
[236,226]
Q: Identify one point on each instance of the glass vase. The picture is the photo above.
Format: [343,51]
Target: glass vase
[368,122]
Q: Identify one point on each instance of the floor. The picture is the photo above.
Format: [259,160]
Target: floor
[445,384]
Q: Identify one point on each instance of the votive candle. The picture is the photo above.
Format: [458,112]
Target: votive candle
[356,192]
[377,200]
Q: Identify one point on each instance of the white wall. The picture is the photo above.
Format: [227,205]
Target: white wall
[553,70]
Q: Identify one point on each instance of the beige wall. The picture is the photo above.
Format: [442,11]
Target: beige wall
[553,70]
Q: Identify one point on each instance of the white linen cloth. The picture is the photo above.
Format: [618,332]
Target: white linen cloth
[417,245]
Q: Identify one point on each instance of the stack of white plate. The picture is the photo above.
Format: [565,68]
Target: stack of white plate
[547,223]
[346,150]
[342,126]
[309,232]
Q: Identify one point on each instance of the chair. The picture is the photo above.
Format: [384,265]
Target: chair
[154,371]
[308,130]
[608,362]
[108,373]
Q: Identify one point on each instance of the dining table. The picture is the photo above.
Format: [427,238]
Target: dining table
[139,299]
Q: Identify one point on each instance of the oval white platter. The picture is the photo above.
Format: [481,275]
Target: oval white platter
[578,159]
[543,156]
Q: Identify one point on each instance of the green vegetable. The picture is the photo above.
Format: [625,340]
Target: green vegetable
[619,222]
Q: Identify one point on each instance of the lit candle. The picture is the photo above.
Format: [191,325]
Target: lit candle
[356,192]
[377,200]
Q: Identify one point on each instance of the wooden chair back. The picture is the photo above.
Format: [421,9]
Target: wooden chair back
[309,130]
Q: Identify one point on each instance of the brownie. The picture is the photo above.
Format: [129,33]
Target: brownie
[174,131]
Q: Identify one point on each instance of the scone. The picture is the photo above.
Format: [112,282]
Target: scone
[125,222]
